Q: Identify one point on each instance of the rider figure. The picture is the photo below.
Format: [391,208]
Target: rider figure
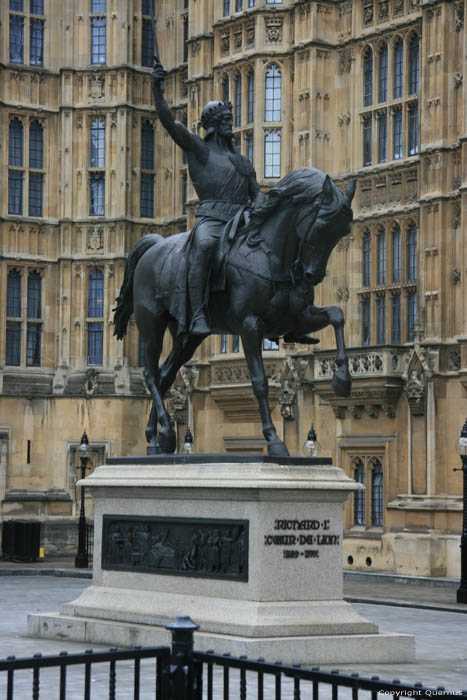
[224,181]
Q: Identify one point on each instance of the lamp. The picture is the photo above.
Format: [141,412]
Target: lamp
[461,449]
[311,445]
[81,559]
[188,442]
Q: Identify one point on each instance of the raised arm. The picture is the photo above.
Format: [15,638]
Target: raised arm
[178,131]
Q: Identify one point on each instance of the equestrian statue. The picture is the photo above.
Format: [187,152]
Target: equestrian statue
[248,266]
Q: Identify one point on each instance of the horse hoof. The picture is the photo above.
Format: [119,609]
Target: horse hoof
[154,449]
[341,383]
[167,443]
[277,449]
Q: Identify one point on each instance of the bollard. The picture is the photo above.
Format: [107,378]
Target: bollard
[182,680]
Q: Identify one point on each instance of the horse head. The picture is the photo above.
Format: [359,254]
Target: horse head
[321,228]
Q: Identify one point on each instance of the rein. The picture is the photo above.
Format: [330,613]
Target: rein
[296,270]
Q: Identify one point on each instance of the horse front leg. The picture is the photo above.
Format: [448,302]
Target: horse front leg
[252,346]
[320,317]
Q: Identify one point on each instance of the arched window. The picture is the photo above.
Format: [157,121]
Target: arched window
[36,161]
[366,255]
[368,77]
[15,144]
[381,260]
[272,153]
[359,496]
[13,312]
[413,129]
[273,91]
[95,317]
[411,315]
[382,137]
[36,145]
[97,143]
[381,319]
[396,254]
[398,69]
[34,323]
[367,140]
[238,100]
[396,319]
[147,170]
[250,113]
[147,146]
[414,69]
[225,88]
[383,74]
[411,241]
[97,160]
[377,494]
[15,160]
[397,136]
[366,321]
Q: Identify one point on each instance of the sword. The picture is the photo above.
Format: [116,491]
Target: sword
[154,38]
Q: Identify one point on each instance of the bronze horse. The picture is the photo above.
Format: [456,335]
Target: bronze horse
[265,288]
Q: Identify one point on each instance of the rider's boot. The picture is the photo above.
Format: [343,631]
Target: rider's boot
[197,280]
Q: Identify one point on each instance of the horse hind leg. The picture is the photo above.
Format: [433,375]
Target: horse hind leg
[252,344]
[165,441]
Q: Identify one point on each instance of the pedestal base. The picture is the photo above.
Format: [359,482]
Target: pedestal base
[251,551]
[305,650]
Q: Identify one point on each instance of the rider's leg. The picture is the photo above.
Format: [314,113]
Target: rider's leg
[206,238]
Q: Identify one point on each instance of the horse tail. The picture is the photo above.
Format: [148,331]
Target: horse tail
[124,307]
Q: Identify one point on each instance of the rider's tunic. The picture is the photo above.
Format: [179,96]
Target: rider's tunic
[224,196]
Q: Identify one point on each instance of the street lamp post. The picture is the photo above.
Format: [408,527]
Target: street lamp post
[461,447]
[81,560]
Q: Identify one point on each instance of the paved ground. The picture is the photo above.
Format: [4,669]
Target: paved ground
[440,628]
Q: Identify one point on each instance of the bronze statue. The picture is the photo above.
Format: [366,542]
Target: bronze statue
[224,181]
[248,267]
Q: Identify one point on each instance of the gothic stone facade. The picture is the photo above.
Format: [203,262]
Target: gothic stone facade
[369,89]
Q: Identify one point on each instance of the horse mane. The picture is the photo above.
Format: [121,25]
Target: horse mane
[298,188]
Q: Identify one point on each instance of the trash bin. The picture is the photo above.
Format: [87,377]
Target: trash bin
[21,540]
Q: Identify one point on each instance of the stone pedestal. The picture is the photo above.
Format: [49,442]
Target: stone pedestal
[250,550]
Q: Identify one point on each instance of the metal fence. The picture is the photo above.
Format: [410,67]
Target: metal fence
[90,541]
[180,673]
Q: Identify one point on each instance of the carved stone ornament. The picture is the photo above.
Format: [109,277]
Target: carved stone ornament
[290,381]
[398,7]
[273,30]
[195,547]
[225,43]
[343,294]
[250,34]
[96,89]
[90,382]
[345,60]
[459,16]
[95,240]
[383,9]
[415,390]
[367,12]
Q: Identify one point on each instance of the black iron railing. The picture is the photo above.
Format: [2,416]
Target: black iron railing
[87,661]
[183,674]
[90,541]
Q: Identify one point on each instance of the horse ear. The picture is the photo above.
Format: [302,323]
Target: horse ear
[350,191]
[327,189]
